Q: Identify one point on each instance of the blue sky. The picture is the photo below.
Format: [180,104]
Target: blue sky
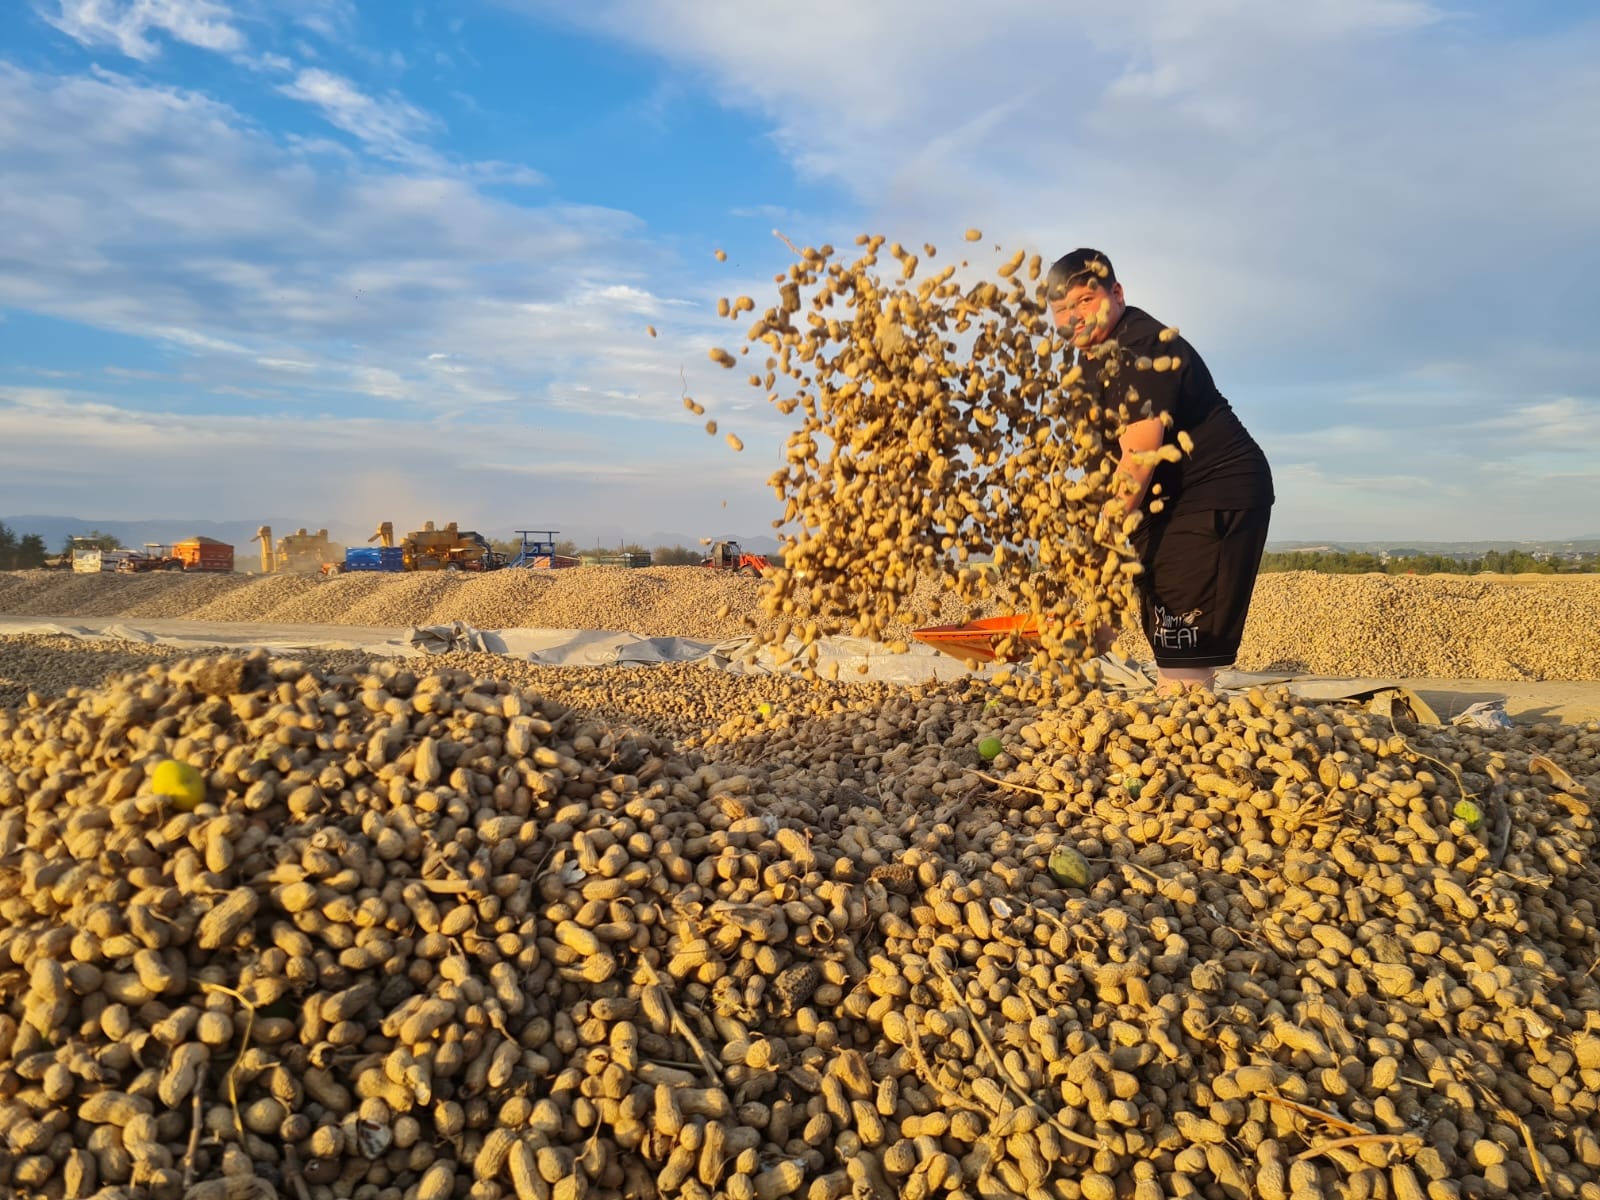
[363,261]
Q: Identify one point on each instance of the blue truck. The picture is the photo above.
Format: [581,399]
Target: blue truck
[375,558]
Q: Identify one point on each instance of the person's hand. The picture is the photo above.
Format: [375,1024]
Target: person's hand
[1104,637]
[1108,526]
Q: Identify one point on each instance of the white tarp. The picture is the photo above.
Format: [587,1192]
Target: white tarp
[601,648]
[548,647]
[206,635]
[551,647]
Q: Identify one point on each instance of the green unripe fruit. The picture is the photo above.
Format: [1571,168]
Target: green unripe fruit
[1469,814]
[1068,867]
[990,748]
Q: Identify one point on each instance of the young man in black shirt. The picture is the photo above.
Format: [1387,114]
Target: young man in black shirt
[1205,516]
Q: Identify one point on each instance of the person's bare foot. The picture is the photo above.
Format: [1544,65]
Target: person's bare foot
[1175,681]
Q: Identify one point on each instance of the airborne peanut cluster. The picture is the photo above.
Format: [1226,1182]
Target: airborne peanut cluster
[941,420]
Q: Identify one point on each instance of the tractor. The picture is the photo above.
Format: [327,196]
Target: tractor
[156,556]
[727,556]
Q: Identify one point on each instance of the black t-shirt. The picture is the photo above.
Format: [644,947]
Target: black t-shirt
[1226,469]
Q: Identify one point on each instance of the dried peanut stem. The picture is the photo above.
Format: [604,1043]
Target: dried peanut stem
[977,1029]
[244,1044]
[1305,1110]
[682,1027]
[292,1175]
[1402,1141]
[194,1133]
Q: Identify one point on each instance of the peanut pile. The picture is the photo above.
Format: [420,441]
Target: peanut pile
[433,935]
[1443,627]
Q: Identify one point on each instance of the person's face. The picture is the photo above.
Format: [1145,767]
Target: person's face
[1088,313]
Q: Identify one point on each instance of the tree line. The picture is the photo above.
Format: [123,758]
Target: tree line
[27,552]
[20,552]
[1500,562]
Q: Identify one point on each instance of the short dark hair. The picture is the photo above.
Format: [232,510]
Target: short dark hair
[1079,267]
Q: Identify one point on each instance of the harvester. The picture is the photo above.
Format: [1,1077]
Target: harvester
[447,549]
[298,551]
[728,556]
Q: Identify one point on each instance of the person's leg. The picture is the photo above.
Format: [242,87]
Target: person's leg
[1174,587]
[1242,537]
[1147,540]
[1197,585]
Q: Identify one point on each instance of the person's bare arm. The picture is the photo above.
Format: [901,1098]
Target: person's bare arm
[1134,471]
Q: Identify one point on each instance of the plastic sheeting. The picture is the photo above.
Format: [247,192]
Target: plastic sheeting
[856,658]
[209,635]
[550,647]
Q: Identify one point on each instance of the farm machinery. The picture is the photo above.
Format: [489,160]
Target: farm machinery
[155,556]
[728,556]
[425,549]
[299,551]
[90,557]
[191,554]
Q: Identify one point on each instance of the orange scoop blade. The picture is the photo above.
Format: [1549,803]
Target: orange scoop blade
[981,639]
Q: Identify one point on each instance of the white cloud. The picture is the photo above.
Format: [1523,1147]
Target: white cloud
[128,25]
[504,174]
[622,295]
[355,471]
[1329,178]
[276,63]
[331,20]
[280,281]
[1325,196]
[1435,496]
[1330,198]
[1566,425]
[193,340]
[393,128]
[387,125]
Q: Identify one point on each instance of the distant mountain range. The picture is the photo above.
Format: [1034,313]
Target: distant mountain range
[1587,544]
[239,534]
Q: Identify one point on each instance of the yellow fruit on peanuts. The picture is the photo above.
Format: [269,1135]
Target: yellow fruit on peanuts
[182,782]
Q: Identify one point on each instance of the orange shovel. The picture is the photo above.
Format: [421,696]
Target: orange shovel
[981,639]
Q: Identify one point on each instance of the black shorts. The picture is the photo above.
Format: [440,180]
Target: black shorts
[1199,571]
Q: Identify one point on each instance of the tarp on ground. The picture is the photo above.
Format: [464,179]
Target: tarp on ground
[550,647]
[857,659]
